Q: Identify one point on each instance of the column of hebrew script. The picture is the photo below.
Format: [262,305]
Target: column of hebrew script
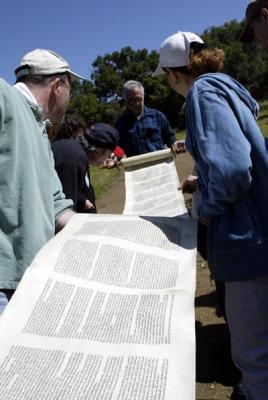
[105,311]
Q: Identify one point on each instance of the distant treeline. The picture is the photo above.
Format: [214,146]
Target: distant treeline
[99,99]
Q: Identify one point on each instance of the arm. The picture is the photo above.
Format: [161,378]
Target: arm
[86,198]
[115,158]
[119,125]
[71,178]
[62,206]
[167,133]
[222,152]
[63,219]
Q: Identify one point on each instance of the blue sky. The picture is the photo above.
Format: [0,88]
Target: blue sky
[79,30]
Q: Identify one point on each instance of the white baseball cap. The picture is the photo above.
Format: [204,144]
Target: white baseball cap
[44,62]
[175,51]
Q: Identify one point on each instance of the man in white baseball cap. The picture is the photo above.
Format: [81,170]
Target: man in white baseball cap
[44,62]
[32,204]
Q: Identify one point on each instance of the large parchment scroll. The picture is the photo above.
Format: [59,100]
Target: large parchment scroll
[105,311]
[152,185]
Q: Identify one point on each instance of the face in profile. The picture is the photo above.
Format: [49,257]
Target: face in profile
[61,97]
[135,101]
[98,156]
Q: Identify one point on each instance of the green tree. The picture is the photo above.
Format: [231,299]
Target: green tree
[100,99]
[246,63]
[84,102]
[111,71]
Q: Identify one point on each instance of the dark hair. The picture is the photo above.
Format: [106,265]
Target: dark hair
[110,116]
[70,127]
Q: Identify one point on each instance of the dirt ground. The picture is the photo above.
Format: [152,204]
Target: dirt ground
[215,373]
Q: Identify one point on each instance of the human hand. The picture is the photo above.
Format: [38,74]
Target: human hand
[189,185]
[111,162]
[88,205]
[178,147]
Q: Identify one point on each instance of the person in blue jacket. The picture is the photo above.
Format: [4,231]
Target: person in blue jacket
[142,129]
[232,167]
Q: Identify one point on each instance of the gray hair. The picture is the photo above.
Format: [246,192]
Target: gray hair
[129,88]
[41,80]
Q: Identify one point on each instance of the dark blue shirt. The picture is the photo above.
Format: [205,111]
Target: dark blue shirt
[149,133]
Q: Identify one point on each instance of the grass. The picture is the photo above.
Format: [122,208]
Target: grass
[263,118]
[180,135]
[102,179]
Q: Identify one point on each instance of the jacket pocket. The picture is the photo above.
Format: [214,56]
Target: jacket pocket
[153,134]
[237,228]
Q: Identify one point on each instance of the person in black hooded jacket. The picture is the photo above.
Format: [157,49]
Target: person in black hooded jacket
[73,157]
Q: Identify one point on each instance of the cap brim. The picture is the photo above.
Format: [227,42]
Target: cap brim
[75,77]
[159,71]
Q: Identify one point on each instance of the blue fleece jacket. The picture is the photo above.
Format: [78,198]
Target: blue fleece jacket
[232,163]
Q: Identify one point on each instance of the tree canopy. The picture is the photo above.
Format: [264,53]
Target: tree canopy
[99,99]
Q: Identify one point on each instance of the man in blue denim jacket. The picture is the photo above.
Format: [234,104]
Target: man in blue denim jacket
[142,129]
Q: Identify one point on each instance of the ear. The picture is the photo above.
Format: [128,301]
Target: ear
[176,74]
[55,85]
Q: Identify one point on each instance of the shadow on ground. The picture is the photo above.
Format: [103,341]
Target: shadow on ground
[213,358]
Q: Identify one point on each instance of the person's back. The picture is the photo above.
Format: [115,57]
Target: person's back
[240,186]
[232,166]
[71,164]
[32,204]
[73,156]
[27,186]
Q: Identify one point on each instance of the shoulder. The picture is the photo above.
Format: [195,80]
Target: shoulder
[69,151]
[155,113]
[8,92]
[211,83]
[66,146]
[124,116]
[5,86]
[150,111]
[125,120]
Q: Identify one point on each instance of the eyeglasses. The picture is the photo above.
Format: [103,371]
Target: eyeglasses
[132,102]
[65,82]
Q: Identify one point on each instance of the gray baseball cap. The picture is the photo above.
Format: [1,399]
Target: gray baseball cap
[44,62]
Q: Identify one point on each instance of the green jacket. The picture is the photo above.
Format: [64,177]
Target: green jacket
[31,197]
